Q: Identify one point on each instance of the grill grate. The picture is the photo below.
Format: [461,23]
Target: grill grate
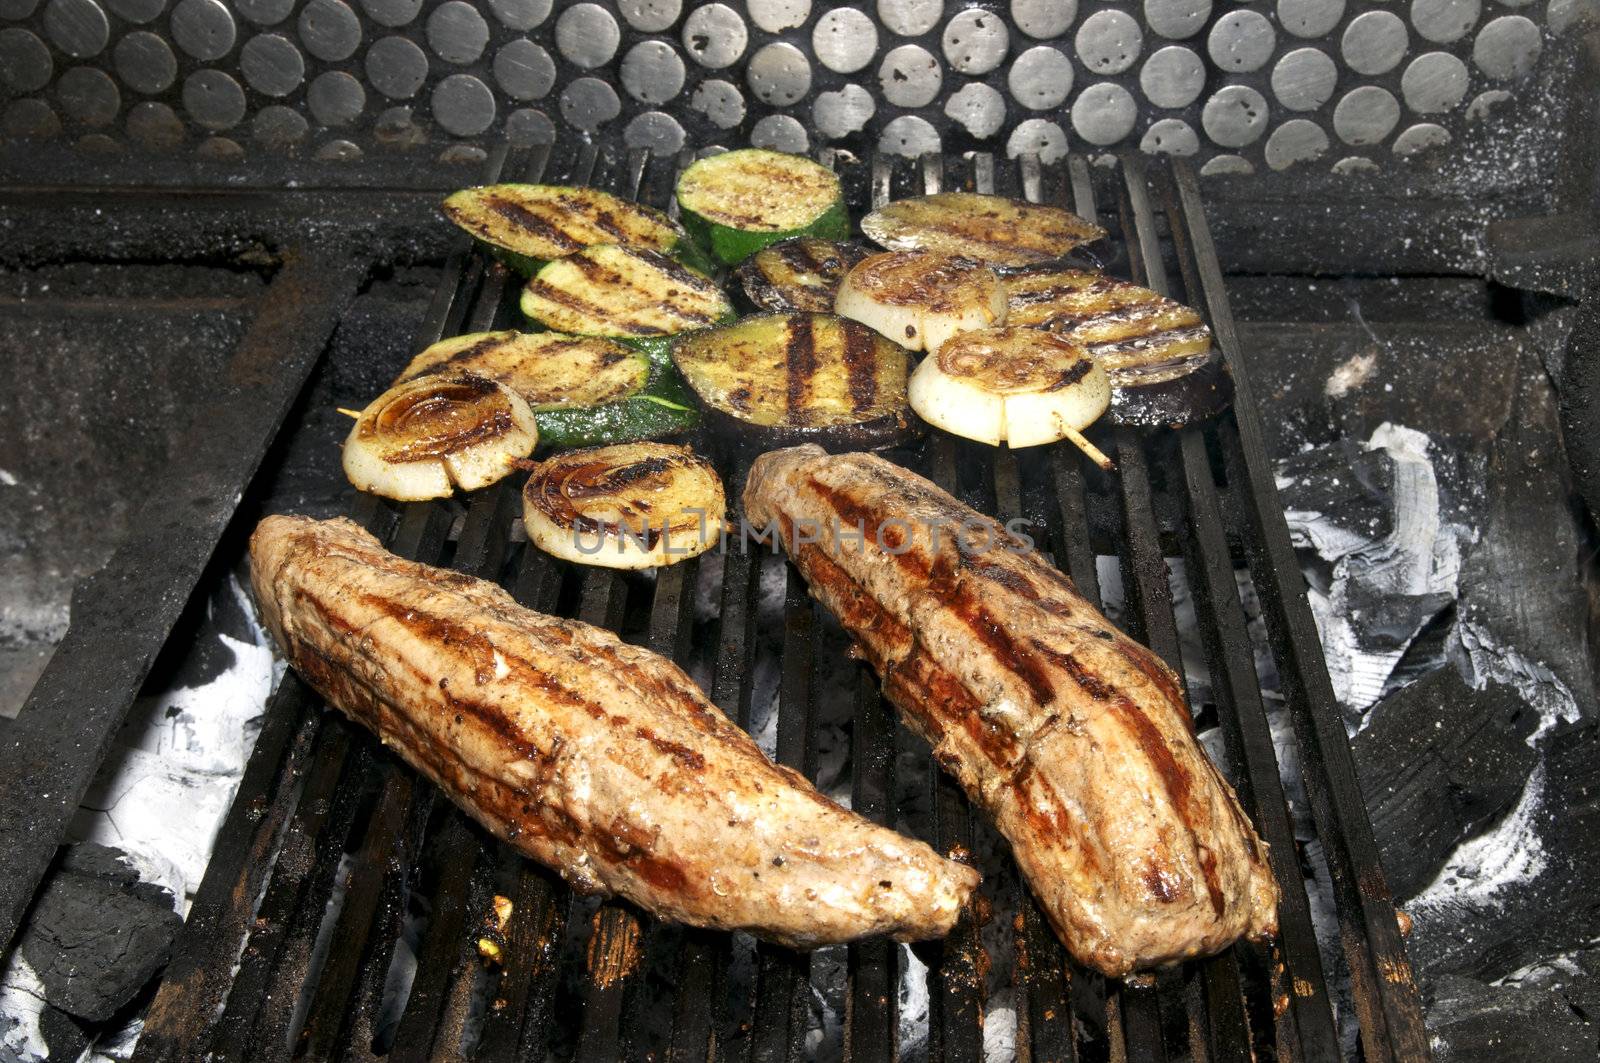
[360,843]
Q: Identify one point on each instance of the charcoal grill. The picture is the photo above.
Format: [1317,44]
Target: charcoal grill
[265,968]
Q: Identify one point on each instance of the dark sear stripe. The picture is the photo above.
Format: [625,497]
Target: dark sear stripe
[1074,373]
[467,353]
[579,305]
[797,256]
[860,365]
[604,221]
[1175,777]
[676,271]
[535,224]
[800,364]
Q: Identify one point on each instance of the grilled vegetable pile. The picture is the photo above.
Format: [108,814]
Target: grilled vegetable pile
[634,335]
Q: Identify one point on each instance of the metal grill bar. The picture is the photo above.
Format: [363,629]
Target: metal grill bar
[1386,993]
[1166,491]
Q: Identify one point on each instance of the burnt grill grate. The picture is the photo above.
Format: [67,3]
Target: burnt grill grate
[332,846]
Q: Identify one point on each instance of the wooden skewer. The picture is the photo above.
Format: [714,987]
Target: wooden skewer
[1095,454]
[353,414]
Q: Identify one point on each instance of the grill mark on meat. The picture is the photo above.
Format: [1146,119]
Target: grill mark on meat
[936,699]
[1175,777]
[679,752]
[800,364]
[860,366]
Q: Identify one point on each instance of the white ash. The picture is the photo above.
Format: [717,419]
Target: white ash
[21,1003]
[1351,374]
[1419,559]
[162,794]
[1487,660]
[1000,1026]
[1483,871]
[912,1035]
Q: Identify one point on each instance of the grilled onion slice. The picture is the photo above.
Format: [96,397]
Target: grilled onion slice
[799,274]
[1156,351]
[782,379]
[919,299]
[991,229]
[423,438]
[632,505]
[1018,386]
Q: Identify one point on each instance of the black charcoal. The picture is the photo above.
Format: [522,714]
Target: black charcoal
[1439,761]
[97,934]
[1470,1021]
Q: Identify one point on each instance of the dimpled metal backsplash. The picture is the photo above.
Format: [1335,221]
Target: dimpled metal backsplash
[1347,84]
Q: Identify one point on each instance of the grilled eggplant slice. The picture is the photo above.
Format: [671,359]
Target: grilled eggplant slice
[1022,387]
[990,229]
[920,299]
[738,202]
[636,297]
[583,390]
[427,436]
[801,274]
[526,226]
[636,505]
[1157,352]
[780,379]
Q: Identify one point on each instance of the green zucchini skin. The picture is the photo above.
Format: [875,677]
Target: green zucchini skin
[732,246]
[634,418]
[728,203]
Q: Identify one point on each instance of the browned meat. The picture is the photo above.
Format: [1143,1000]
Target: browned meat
[598,758]
[1075,738]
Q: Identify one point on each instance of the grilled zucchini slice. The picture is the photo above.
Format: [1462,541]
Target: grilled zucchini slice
[526,226]
[802,273]
[548,369]
[635,505]
[782,379]
[991,229]
[636,297]
[1157,352]
[740,201]
[1018,386]
[583,390]
[920,299]
[423,438]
